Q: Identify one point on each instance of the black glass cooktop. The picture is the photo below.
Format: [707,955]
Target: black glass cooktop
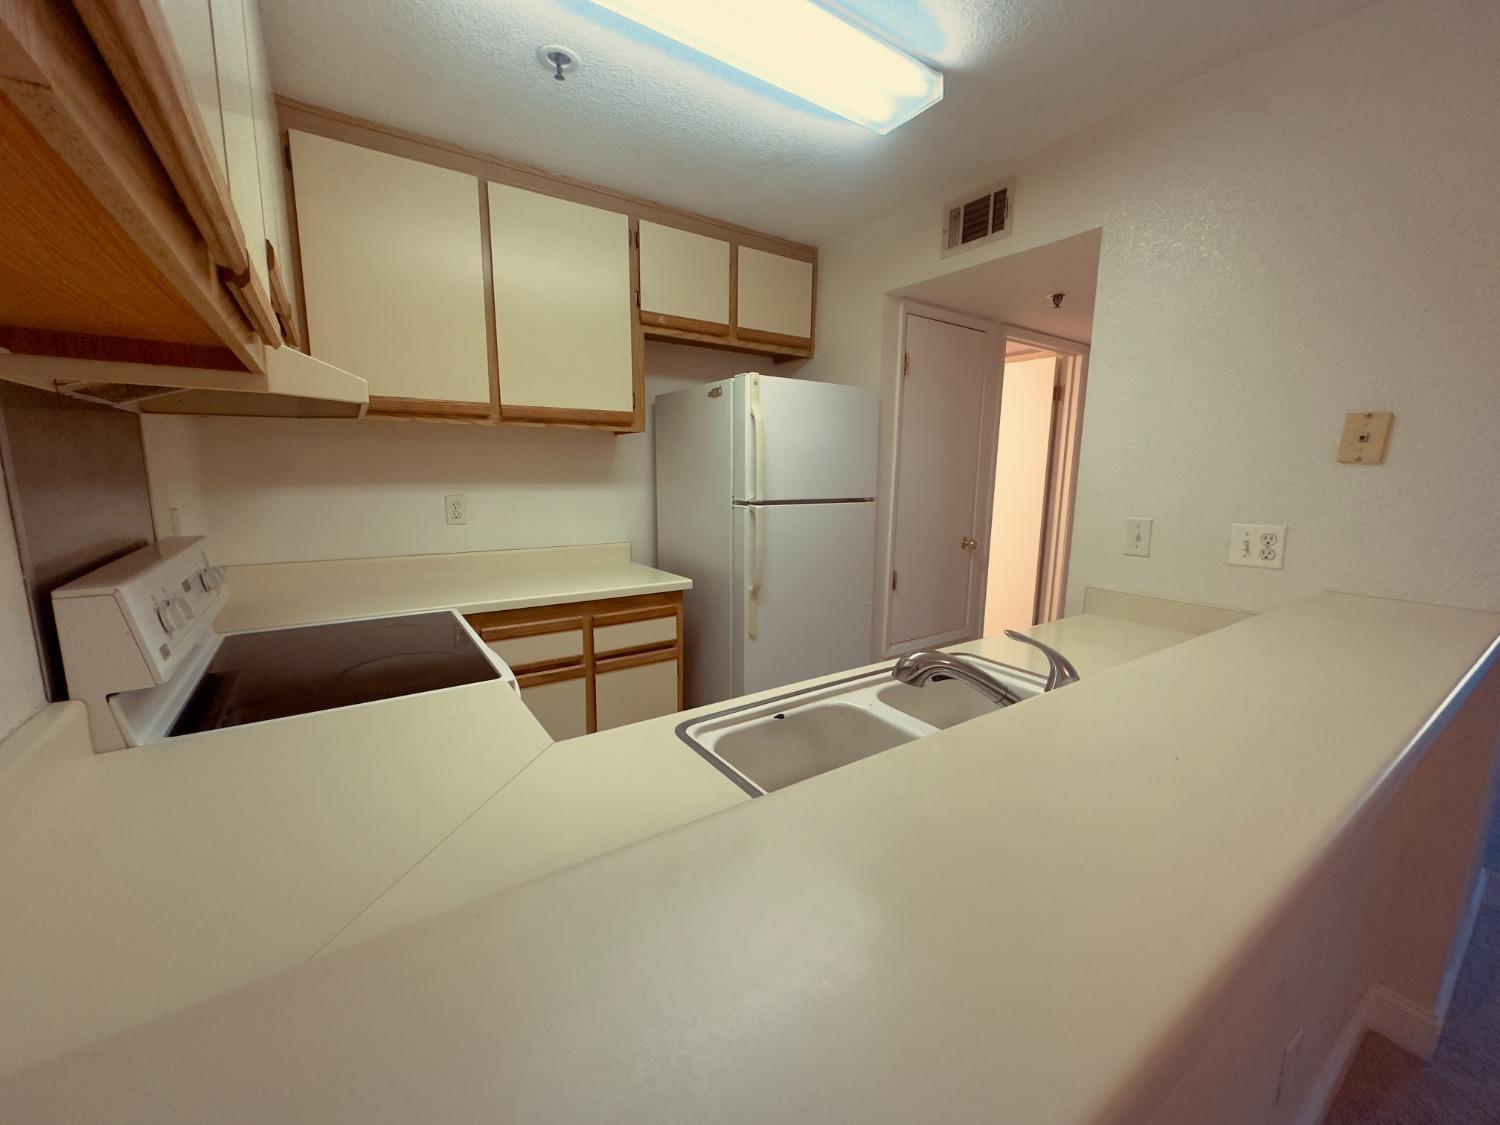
[281,672]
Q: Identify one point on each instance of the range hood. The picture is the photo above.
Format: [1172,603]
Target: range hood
[295,385]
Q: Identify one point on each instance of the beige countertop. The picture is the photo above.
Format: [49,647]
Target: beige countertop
[939,932]
[592,794]
[140,881]
[271,595]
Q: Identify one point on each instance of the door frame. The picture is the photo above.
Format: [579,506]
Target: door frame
[984,494]
[1062,465]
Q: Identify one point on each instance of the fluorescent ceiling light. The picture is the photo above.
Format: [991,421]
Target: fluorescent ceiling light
[802,48]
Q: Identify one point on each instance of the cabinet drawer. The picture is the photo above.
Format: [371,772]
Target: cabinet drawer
[635,634]
[560,705]
[540,648]
[635,692]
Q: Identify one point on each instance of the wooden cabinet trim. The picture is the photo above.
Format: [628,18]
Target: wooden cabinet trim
[731,343]
[423,407]
[355,130]
[487,258]
[56,80]
[622,420]
[510,630]
[686,323]
[576,671]
[635,659]
[626,616]
[136,44]
[763,337]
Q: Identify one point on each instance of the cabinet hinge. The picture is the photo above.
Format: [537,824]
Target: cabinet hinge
[894,574]
[906,365]
[1057,392]
[635,239]
[286,155]
[637,298]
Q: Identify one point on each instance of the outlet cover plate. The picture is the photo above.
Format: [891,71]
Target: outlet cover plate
[1138,536]
[456,509]
[1260,545]
[1364,437]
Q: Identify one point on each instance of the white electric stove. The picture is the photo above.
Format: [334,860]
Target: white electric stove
[140,650]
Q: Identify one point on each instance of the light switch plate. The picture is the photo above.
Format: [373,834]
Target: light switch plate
[1365,434]
[1138,537]
[1260,545]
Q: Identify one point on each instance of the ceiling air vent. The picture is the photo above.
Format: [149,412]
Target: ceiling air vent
[980,218]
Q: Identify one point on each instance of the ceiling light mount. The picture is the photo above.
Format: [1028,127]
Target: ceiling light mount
[560,61]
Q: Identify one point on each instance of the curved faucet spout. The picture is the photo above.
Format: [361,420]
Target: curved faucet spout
[917,668]
[1060,670]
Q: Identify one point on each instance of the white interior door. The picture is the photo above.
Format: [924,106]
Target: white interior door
[935,535]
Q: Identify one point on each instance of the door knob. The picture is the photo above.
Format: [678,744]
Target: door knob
[968,544]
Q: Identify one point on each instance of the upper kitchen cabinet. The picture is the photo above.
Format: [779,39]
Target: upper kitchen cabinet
[685,280]
[744,292]
[566,346]
[775,298]
[392,269]
[123,239]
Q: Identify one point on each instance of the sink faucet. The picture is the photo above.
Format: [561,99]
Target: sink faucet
[1060,670]
[917,668]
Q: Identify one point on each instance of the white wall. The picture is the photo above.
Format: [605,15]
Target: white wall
[272,490]
[1308,231]
[1020,494]
[20,673]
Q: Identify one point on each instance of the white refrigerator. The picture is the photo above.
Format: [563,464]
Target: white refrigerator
[765,498]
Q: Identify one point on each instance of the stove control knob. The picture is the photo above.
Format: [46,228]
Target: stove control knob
[212,578]
[171,615]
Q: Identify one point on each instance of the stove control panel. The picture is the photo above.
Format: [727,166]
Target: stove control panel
[141,613]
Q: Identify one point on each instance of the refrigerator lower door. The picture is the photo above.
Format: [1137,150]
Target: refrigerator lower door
[805,582]
[796,440]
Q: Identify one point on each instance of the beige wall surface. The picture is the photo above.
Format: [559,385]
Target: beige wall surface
[1308,231]
[1020,494]
[276,490]
[20,674]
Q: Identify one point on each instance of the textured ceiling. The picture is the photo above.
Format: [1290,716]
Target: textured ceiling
[644,116]
[1017,288]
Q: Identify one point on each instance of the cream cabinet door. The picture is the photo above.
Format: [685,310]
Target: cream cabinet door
[564,314]
[268,146]
[775,296]
[238,113]
[561,706]
[684,277]
[392,271]
[633,693]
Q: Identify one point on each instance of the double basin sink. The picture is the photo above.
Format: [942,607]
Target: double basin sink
[776,742]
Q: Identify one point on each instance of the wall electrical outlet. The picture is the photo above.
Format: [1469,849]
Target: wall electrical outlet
[1257,544]
[457,508]
[1138,537]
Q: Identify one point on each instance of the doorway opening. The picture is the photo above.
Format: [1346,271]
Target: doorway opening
[987,419]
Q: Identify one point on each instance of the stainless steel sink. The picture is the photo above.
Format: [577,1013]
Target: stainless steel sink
[776,742]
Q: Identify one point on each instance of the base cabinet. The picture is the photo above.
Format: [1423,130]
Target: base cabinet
[592,666]
[559,702]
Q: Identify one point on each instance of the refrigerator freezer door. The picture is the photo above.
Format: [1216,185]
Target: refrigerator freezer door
[796,440]
[809,614]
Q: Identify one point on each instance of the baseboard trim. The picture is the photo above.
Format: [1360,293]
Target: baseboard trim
[1388,1013]
[1326,1086]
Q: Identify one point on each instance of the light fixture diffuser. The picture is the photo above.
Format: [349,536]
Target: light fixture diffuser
[802,48]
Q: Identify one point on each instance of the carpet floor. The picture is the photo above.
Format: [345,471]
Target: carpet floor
[1461,1085]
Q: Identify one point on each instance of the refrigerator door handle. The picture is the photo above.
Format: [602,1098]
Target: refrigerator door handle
[758,425]
[757,573]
